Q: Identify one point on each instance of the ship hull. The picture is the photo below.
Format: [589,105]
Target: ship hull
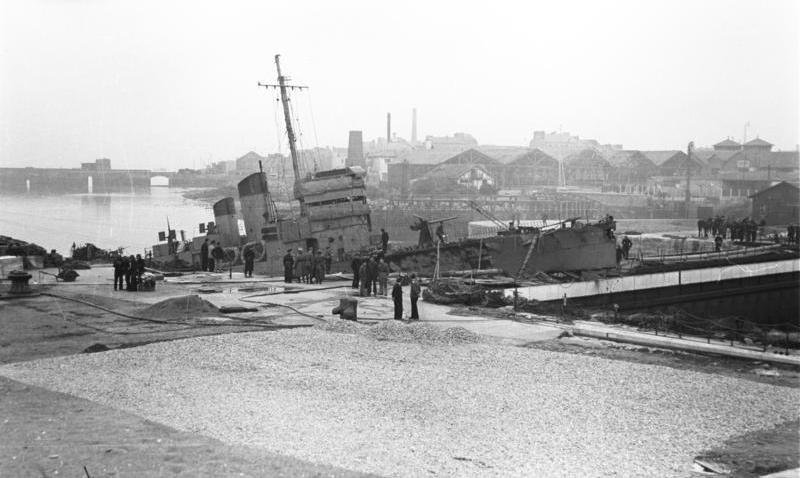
[584,247]
[581,248]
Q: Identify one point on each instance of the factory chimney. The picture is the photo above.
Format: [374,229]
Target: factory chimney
[414,126]
[355,150]
[388,128]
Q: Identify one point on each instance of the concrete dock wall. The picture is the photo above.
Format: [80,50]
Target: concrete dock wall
[614,285]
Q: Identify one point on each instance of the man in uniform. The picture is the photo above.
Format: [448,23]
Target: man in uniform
[415,289]
[249,260]
[204,255]
[383,276]
[384,240]
[126,272]
[355,266]
[210,258]
[397,298]
[328,259]
[319,267]
[118,272]
[372,276]
[139,268]
[288,266]
[362,276]
[299,266]
[626,246]
[440,233]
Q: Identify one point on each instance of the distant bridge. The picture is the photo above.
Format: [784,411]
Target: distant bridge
[74,181]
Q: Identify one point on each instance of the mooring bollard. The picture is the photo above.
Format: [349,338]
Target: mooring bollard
[19,282]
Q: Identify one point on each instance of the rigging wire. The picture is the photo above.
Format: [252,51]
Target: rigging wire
[302,162]
[314,128]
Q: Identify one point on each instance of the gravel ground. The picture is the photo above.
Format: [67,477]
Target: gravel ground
[420,409]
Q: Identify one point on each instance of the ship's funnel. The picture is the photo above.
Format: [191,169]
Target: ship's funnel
[255,207]
[227,225]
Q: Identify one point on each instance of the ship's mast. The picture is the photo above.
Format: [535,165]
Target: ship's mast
[688,196]
[282,87]
[287,117]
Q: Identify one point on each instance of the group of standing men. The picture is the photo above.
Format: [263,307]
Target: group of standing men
[210,254]
[745,229]
[397,298]
[307,267]
[370,276]
[130,269]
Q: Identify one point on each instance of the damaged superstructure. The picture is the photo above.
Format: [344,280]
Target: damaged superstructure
[333,217]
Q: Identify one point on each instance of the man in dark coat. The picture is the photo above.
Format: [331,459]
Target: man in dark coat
[626,246]
[211,260]
[126,272]
[397,298]
[415,290]
[204,256]
[718,243]
[139,268]
[384,240]
[319,267]
[355,266]
[131,274]
[249,261]
[363,277]
[299,265]
[372,276]
[288,266]
[118,272]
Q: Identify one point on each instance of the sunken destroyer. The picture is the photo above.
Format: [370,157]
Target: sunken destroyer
[334,215]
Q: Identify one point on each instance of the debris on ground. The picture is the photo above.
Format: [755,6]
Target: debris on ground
[67,275]
[180,307]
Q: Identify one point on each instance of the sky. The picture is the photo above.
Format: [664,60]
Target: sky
[171,84]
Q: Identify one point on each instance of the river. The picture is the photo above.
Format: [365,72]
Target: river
[108,221]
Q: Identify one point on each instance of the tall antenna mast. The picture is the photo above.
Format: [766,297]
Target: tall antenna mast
[282,86]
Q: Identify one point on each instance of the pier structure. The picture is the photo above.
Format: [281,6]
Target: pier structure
[763,292]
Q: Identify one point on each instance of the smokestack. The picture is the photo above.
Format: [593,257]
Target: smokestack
[414,126]
[388,128]
[355,150]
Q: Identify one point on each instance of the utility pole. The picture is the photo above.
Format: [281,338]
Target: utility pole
[282,87]
[688,199]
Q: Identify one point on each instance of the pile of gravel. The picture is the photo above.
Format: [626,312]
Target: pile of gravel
[184,307]
[421,333]
[412,409]
[394,331]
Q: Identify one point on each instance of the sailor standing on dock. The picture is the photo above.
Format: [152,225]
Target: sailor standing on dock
[204,255]
[384,240]
[397,298]
[288,266]
[415,289]
[118,272]
[299,266]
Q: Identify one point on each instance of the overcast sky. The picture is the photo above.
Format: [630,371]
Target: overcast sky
[173,84]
